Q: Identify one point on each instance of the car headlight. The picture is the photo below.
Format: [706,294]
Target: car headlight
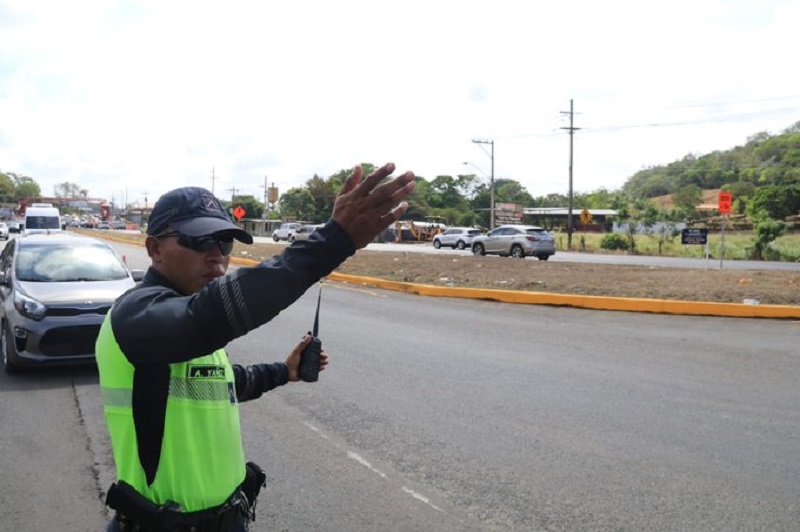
[29,307]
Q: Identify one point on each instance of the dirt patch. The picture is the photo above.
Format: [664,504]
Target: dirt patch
[444,269]
[466,271]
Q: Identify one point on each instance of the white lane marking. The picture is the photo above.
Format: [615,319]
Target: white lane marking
[315,429]
[360,460]
[422,498]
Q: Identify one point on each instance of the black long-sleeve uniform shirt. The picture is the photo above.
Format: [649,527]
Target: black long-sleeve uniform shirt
[155,325]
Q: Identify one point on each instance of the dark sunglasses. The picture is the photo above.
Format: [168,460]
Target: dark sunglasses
[201,243]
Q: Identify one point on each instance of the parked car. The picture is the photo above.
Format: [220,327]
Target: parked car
[3,231]
[103,225]
[518,241]
[304,231]
[456,237]
[285,231]
[55,291]
[13,226]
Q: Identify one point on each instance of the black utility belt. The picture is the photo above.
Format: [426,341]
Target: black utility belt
[137,513]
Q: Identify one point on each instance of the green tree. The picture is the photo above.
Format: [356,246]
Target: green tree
[250,204]
[418,207]
[26,187]
[67,190]
[665,232]
[6,186]
[766,231]
[322,192]
[297,204]
[687,198]
[444,191]
[777,201]
[637,215]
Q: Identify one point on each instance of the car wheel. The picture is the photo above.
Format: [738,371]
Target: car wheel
[543,257]
[6,346]
[461,244]
[516,252]
[437,244]
[275,238]
[478,250]
[292,239]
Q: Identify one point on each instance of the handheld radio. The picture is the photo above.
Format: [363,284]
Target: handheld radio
[308,370]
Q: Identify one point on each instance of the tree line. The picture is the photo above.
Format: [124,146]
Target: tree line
[763,175]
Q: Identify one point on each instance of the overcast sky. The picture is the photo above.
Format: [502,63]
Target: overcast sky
[130,99]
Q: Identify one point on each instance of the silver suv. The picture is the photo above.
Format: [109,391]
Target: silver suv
[518,241]
[456,237]
[285,231]
[303,232]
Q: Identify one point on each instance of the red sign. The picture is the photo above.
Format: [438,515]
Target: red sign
[725,202]
[238,212]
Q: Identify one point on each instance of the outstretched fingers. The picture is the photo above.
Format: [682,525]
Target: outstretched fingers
[394,215]
[352,180]
[393,193]
[373,179]
[388,192]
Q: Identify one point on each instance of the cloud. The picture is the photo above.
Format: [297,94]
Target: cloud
[146,96]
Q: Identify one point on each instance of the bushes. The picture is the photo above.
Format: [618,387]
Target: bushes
[614,241]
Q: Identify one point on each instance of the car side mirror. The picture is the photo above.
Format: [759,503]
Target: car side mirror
[138,275]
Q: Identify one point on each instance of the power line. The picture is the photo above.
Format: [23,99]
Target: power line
[771,114]
[734,102]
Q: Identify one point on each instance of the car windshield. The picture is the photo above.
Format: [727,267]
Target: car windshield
[473,232]
[42,222]
[47,263]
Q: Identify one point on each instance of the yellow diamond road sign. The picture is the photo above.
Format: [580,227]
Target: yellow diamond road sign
[585,216]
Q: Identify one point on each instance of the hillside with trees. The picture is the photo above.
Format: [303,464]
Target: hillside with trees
[763,175]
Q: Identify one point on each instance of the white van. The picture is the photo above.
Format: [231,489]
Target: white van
[41,218]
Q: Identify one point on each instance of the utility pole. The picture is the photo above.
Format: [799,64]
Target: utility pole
[491,181]
[572,129]
[233,195]
[144,219]
[265,196]
[213,177]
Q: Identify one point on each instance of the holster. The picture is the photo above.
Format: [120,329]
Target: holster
[255,479]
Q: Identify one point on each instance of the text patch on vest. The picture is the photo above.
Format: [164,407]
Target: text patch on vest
[206,371]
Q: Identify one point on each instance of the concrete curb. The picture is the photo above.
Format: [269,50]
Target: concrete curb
[656,306]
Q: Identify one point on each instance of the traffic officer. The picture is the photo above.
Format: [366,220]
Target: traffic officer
[169,392]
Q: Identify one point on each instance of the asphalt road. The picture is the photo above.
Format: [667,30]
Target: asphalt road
[441,414]
[599,258]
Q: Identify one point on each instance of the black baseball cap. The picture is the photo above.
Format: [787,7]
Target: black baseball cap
[193,211]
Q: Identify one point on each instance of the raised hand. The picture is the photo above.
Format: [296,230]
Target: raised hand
[364,209]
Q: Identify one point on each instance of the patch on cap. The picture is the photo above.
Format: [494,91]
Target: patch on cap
[211,203]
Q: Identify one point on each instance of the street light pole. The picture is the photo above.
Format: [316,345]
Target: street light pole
[491,181]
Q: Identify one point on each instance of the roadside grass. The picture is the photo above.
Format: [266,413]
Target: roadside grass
[738,246]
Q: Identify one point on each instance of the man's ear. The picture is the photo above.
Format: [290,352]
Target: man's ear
[153,246]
